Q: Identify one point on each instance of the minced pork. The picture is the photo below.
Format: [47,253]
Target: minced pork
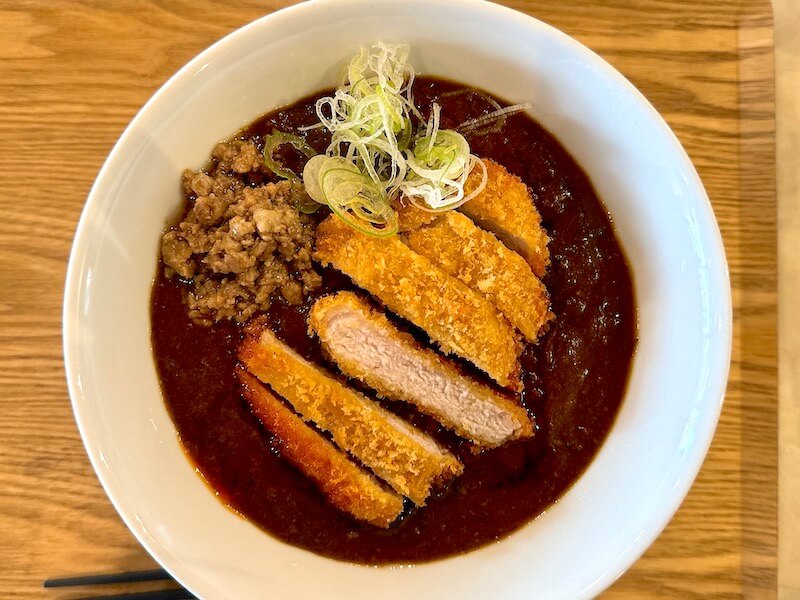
[238,244]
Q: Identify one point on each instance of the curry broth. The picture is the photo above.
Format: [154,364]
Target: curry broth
[574,379]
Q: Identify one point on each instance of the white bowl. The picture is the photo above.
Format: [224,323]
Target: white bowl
[663,219]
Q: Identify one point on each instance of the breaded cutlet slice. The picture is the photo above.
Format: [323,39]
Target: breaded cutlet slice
[347,486]
[484,263]
[458,319]
[407,459]
[409,217]
[505,208]
[368,347]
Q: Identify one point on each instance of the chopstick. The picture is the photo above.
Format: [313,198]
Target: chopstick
[178,594]
[128,577]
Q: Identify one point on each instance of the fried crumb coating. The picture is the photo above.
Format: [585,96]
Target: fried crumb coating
[348,487]
[368,347]
[476,257]
[409,217]
[458,319]
[407,459]
[505,207]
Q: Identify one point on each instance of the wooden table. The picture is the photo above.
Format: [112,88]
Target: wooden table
[73,73]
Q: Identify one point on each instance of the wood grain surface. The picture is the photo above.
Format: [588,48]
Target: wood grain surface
[787,90]
[72,75]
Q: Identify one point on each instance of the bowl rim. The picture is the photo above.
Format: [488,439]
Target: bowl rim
[72,288]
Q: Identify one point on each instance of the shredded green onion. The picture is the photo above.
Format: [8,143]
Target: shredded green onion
[491,122]
[440,163]
[376,154]
[271,144]
[276,139]
[306,206]
[351,195]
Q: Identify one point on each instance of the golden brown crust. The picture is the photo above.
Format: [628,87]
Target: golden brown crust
[455,317]
[409,217]
[506,208]
[407,459]
[348,487]
[480,260]
[472,410]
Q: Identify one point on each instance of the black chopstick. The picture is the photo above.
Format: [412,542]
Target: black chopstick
[129,577]
[178,594]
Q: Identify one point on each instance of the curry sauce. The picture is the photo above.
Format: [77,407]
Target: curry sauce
[574,378]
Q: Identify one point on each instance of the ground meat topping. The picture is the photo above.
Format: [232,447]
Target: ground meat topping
[239,244]
[239,156]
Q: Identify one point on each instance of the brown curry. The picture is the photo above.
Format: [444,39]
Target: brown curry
[574,378]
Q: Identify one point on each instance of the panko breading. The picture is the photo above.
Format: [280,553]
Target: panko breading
[368,347]
[409,217]
[479,259]
[457,318]
[407,459]
[347,486]
[505,207]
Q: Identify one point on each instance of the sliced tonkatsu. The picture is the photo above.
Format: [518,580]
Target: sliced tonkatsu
[410,217]
[458,319]
[348,487]
[353,325]
[367,346]
[505,207]
[410,461]
[476,257]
